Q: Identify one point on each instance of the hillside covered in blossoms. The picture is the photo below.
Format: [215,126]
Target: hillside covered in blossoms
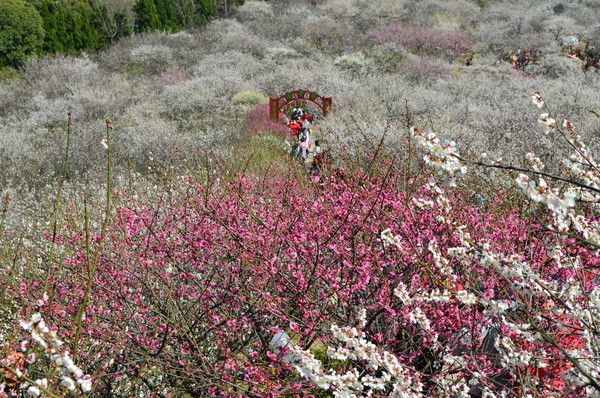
[439,236]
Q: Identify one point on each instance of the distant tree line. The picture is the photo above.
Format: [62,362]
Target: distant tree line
[29,27]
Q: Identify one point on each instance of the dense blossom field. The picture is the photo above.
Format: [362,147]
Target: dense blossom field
[381,279]
[155,244]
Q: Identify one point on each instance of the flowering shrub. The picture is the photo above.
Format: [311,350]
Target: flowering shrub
[249,97]
[254,10]
[424,68]
[353,63]
[421,39]
[170,79]
[259,119]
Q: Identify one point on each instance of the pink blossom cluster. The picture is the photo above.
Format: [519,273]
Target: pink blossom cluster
[421,39]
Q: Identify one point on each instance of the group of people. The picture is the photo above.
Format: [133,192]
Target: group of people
[521,60]
[589,62]
[300,127]
[301,131]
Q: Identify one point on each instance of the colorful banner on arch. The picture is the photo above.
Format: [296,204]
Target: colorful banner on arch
[299,98]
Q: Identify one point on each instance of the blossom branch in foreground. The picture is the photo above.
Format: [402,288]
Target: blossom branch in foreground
[571,292]
[394,377]
[71,376]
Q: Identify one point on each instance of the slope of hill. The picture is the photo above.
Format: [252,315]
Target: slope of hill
[448,247]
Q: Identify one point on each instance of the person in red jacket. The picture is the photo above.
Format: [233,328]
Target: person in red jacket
[295,127]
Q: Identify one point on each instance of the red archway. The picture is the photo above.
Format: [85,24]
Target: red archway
[300,97]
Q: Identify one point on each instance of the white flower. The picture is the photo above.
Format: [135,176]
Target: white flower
[537,99]
[417,316]
[35,318]
[56,359]
[402,293]
[70,366]
[24,325]
[465,297]
[362,317]
[535,162]
[42,382]
[546,123]
[37,337]
[522,181]
[34,391]
[569,126]
[68,383]
[104,143]
[56,343]
[459,252]
[42,326]
[85,385]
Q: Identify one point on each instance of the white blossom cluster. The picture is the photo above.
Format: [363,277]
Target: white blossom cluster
[586,228]
[417,316]
[422,203]
[573,306]
[534,161]
[595,301]
[536,98]
[441,262]
[518,273]
[395,379]
[402,293]
[511,354]
[434,295]
[541,193]
[546,123]
[441,155]
[582,165]
[388,238]
[567,299]
[465,297]
[72,377]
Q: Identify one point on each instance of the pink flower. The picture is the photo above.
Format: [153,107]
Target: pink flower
[294,327]
[104,143]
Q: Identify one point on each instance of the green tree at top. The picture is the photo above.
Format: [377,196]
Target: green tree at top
[173,15]
[153,15]
[69,26]
[21,32]
[204,11]
[167,15]
[146,16]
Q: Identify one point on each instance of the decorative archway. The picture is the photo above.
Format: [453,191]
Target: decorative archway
[300,97]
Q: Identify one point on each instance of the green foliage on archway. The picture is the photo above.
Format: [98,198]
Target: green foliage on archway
[21,32]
